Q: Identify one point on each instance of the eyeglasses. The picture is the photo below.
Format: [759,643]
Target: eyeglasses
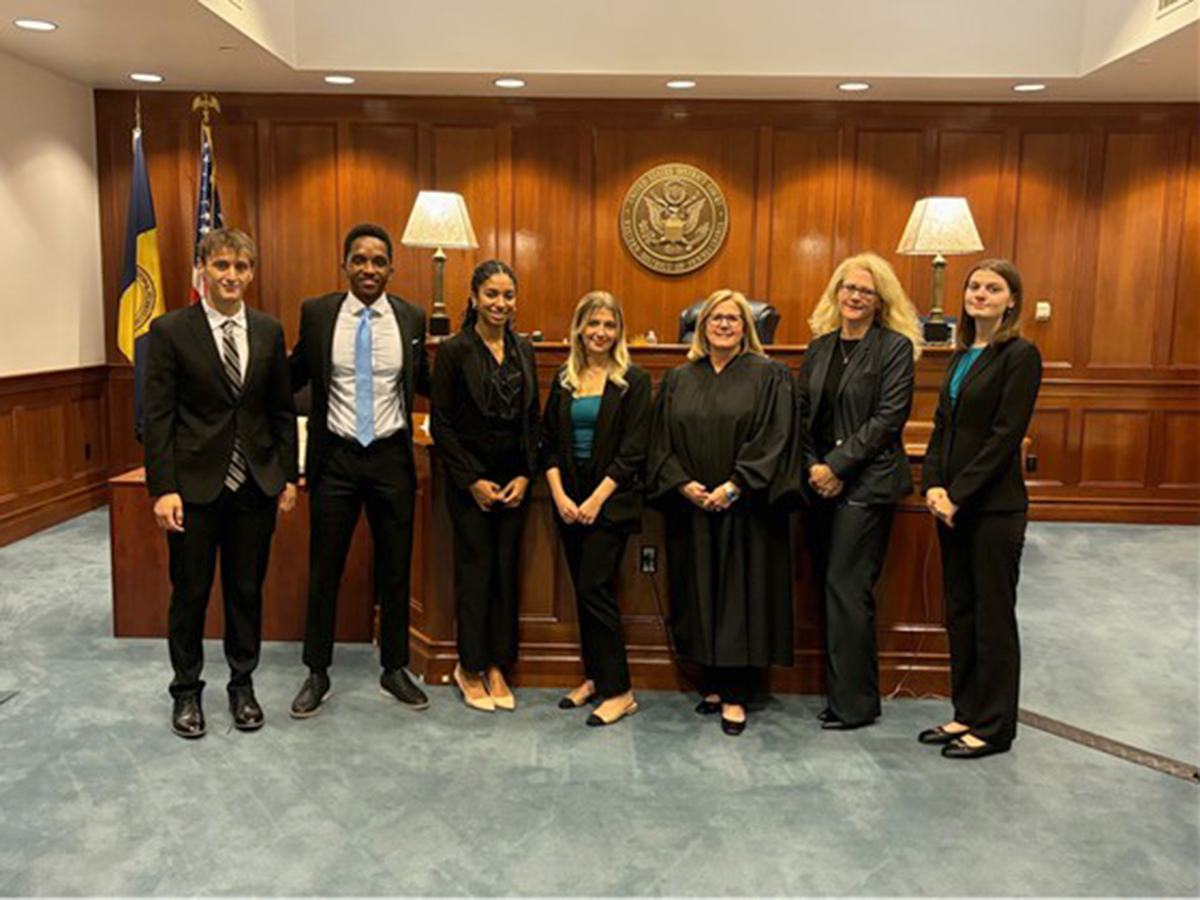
[853,289]
[723,319]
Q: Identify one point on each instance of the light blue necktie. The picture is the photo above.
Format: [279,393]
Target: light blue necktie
[364,381]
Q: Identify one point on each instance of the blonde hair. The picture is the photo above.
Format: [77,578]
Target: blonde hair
[895,311]
[701,349]
[618,356]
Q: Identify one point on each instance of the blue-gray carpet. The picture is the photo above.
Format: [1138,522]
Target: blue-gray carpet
[97,797]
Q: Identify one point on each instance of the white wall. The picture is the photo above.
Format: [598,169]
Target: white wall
[51,303]
[1115,28]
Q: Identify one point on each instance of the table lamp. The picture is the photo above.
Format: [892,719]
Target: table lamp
[937,226]
[439,220]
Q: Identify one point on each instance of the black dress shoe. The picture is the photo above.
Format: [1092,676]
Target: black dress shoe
[397,684]
[826,715]
[732,728]
[187,719]
[247,714]
[313,693]
[938,735]
[708,707]
[960,749]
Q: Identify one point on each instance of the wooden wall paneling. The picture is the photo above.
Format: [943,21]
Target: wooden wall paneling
[124,451]
[548,215]
[87,443]
[1180,469]
[1185,329]
[42,436]
[1051,210]
[378,181]
[887,181]
[764,195]
[804,213]
[235,149]
[10,461]
[971,164]
[1116,448]
[1049,436]
[465,161]
[622,156]
[1129,274]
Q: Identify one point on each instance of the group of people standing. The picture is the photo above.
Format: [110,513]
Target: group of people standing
[732,444]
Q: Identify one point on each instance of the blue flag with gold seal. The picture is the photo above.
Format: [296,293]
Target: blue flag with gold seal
[141,279]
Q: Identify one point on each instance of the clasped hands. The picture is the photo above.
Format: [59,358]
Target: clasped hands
[938,502]
[718,499]
[487,494]
[168,509]
[823,480]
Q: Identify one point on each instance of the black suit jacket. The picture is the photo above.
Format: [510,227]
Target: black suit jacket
[192,412]
[975,449]
[618,452]
[312,364]
[457,421]
[872,405]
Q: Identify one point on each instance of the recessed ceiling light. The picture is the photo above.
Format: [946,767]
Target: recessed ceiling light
[512,84]
[35,25]
[853,86]
[340,79]
[681,84]
[1030,88]
[146,77]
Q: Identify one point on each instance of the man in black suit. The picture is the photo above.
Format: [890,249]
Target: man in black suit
[220,459]
[363,353]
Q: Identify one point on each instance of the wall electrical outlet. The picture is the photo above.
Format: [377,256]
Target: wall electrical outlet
[1041,311]
[649,560]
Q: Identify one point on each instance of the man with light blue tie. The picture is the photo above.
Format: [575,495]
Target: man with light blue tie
[363,354]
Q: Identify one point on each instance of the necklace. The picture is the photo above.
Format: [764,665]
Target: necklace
[842,347]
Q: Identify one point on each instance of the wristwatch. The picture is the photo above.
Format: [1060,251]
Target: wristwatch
[732,493]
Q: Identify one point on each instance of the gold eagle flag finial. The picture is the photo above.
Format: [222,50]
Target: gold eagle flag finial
[206,104]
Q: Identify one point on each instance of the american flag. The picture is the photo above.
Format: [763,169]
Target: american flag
[208,208]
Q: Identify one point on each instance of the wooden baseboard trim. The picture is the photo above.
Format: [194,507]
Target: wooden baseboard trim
[31,519]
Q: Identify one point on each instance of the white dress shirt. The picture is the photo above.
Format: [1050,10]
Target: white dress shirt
[387,361]
[216,323]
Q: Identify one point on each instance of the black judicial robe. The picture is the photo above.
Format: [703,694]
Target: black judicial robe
[729,572]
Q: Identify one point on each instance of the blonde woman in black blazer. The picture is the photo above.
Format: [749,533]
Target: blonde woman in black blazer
[484,422]
[855,390]
[595,430]
[975,489]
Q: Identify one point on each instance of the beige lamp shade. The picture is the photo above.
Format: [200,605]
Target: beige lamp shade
[940,225]
[439,219]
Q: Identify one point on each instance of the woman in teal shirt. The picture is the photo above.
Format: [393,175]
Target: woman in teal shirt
[594,436]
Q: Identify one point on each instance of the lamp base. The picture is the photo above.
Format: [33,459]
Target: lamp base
[937,333]
[439,325]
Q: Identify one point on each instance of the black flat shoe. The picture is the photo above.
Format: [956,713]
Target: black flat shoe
[595,721]
[938,735]
[187,718]
[833,723]
[708,707]
[568,703]
[247,714]
[732,728]
[960,749]
[313,693]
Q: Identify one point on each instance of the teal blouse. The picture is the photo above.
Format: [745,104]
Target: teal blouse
[965,362]
[584,413]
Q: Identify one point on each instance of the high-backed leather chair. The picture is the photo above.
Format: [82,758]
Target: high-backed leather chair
[766,320]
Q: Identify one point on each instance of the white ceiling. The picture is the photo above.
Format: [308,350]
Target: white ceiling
[1090,50]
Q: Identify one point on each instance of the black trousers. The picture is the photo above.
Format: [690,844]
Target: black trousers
[732,685]
[238,526]
[981,564]
[486,588]
[593,556]
[849,542]
[381,478]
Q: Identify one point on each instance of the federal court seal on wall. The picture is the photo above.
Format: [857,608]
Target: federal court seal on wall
[674,219]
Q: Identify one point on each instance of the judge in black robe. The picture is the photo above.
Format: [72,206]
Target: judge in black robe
[718,455]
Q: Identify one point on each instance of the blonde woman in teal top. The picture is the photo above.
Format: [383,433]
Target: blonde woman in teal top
[594,436]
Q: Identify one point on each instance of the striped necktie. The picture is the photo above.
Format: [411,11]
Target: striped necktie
[236,476]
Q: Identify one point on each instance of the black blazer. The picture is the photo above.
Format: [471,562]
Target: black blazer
[193,414]
[312,363]
[457,402]
[619,451]
[872,405]
[975,449]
